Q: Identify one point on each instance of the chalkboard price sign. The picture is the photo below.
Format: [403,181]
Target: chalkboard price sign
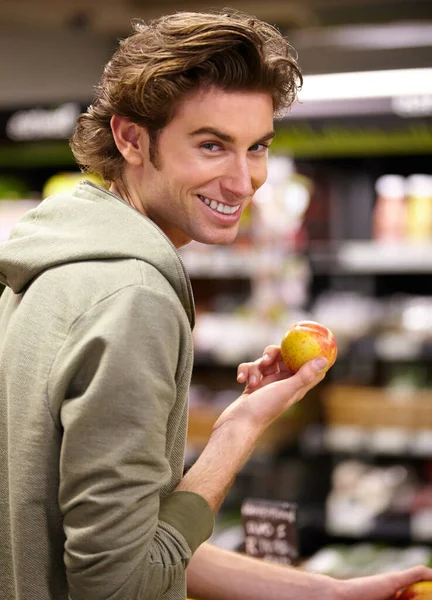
[270,530]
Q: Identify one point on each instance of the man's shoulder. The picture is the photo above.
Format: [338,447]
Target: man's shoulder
[108,276]
[76,287]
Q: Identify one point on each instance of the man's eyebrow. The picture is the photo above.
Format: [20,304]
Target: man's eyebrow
[225,137]
[268,136]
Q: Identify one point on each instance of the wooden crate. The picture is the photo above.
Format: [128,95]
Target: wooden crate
[370,407]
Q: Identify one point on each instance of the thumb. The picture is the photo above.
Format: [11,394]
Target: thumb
[292,389]
[307,374]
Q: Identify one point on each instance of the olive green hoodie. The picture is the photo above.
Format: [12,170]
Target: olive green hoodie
[95,366]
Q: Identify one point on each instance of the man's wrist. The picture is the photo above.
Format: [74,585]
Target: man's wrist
[240,422]
[237,430]
[229,447]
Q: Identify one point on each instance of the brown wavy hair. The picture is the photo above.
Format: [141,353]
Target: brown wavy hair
[171,56]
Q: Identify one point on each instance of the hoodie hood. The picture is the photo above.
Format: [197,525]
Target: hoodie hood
[89,224]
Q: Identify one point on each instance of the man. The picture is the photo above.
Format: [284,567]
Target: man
[95,348]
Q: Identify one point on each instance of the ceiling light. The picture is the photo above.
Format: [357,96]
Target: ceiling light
[366,84]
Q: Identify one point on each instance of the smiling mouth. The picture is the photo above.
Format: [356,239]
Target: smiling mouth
[219,207]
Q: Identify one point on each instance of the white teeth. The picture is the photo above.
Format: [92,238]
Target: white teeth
[220,207]
[230,210]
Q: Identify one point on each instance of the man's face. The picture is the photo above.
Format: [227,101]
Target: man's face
[212,157]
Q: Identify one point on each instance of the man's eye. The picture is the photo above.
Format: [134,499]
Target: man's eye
[258,148]
[211,146]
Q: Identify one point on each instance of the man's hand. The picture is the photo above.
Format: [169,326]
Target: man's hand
[269,367]
[382,587]
[270,389]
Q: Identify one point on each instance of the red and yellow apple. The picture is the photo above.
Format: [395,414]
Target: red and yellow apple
[305,341]
[422,590]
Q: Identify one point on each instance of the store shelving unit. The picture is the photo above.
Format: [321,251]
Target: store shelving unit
[345,258]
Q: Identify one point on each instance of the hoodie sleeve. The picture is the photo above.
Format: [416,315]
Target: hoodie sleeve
[121,360]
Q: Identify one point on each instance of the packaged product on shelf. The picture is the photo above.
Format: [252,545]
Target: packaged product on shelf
[419,207]
[389,217]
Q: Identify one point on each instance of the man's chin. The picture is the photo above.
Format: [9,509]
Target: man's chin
[219,238]
[219,241]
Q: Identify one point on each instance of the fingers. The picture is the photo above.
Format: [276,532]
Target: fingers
[384,585]
[243,372]
[271,353]
[268,369]
[251,373]
[277,393]
[413,575]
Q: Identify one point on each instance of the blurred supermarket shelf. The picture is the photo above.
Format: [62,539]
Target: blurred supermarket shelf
[358,560]
[400,346]
[352,440]
[221,263]
[369,421]
[378,257]
[371,408]
[369,257]
[401,529]
[354,257]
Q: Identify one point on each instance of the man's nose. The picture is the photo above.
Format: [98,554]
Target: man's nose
[238,181]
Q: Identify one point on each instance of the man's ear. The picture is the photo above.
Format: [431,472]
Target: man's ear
[131,140]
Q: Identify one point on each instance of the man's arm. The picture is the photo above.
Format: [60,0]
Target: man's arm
[238,428]
[214,472]
[123,541]
[217,574]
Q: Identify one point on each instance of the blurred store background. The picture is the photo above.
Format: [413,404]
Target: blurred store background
[341,233]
